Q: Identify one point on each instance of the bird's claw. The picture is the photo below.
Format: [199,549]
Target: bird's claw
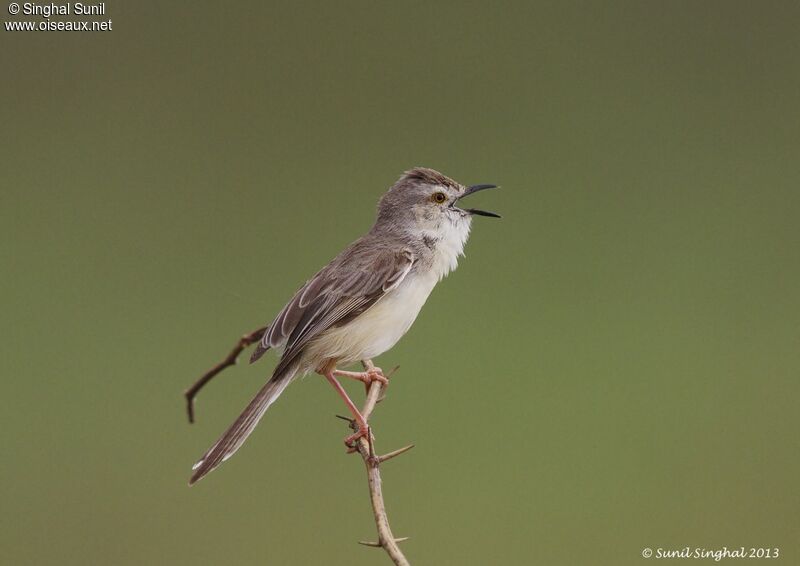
[375,374]
[362,432]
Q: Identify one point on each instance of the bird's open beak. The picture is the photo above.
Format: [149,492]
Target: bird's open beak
[475,189]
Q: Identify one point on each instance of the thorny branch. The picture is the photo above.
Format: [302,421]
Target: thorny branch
[365,447]
[386,539]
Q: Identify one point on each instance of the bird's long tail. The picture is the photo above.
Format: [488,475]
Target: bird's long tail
[241,428]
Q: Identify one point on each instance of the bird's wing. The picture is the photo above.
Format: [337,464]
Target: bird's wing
[281,328]
[341,291]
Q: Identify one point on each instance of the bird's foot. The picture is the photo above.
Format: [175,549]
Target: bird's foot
[367,377]
[362,430]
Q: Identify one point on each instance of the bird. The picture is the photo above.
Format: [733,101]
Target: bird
[361,303]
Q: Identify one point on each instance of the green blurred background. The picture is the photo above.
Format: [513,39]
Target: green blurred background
[614,365]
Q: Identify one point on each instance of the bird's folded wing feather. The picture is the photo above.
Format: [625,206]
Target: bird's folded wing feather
[345,288]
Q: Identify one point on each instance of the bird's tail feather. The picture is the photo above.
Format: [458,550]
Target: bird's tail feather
[241,428]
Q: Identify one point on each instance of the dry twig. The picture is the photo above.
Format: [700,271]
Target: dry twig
[243,343]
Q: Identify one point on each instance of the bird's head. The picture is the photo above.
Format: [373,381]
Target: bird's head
[425,200]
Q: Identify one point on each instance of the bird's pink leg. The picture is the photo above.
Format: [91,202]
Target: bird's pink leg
[363,427]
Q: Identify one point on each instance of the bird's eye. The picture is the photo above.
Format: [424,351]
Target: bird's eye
[439,197]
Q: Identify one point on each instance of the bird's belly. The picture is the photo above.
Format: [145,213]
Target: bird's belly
[379,328]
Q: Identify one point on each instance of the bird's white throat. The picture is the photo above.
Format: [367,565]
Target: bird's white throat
[447,242]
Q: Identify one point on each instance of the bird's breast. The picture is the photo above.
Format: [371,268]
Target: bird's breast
[379,328]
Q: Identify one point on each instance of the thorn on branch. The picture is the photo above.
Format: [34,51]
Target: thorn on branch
[382,395]
[348,419]
[394,453]
[378,544]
